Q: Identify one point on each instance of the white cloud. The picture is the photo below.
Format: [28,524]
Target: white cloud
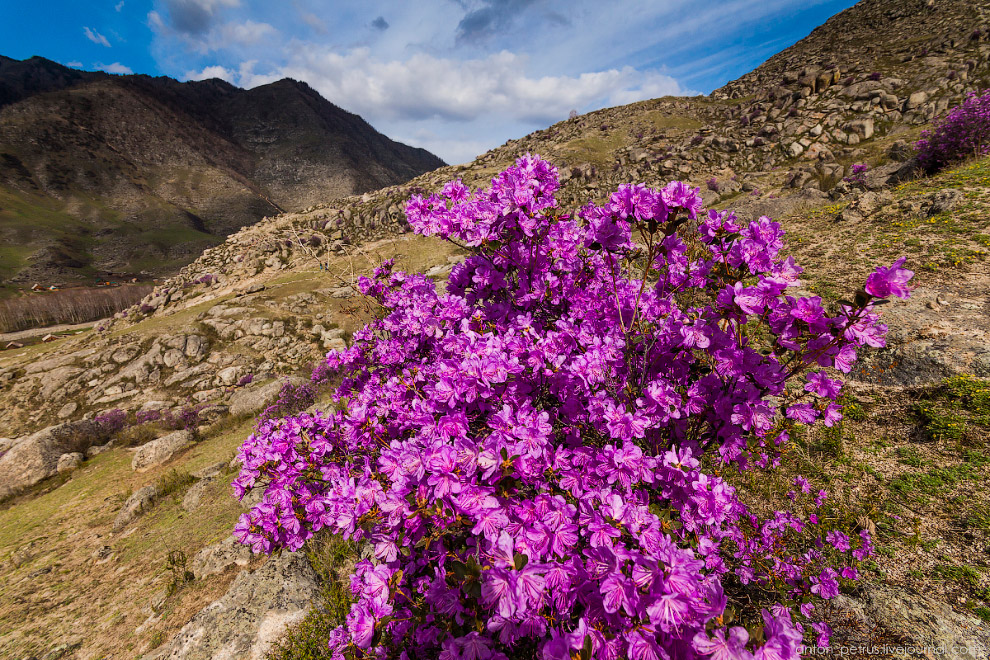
[116,67]
[96,37]
[119,6]
[424,86]
[219,37]
[247,33]
[74,64]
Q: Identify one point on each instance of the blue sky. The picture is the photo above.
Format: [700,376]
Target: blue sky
[457,77]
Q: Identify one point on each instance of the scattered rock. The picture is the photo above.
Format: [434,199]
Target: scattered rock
[252,400]
[69,462]
[251,616]
[67,410]
[217,558]
[210,470]
[160,450]
[142,500]
[192,499]
[944,201]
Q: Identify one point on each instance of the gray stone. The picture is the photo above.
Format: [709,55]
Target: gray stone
[911,619]
[160,450]
[861,127]
[254,399]
[915,100]
[210,470]
[944,200]
[217,558]
[194,496]
[34,458]
[251,616]
[138,503]
[69,462]
[67,410]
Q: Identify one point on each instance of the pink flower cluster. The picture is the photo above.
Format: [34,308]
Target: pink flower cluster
[531,456]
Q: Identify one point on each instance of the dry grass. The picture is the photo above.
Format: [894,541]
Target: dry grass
[54,587]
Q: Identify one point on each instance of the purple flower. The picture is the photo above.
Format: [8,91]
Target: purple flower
[540,441]
[721,648]
[892,281]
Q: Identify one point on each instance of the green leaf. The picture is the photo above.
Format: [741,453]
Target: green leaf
[586,648]
[521,560]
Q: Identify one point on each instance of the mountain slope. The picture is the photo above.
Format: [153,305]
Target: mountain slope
[132,173]
[910,460]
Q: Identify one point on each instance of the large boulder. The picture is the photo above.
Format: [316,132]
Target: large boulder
[251,616]
[937,332]
[883,614]
[160,450]
[34,458]
[253,400]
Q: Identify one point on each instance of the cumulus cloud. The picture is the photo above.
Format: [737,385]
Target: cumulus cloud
[119,6]
[116,67]
[74,64]
[380,23]
[219,37]
[96,37]
[424,86]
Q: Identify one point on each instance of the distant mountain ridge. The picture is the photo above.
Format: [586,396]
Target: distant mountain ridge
[102,173]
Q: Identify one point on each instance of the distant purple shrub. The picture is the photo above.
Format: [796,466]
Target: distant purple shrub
[207,279]
[291,399]
[963,133]
[712,184]
[875,76]
[147,416]
[111,421]
[145,309]
[696,140]
[245,380]
[858,174]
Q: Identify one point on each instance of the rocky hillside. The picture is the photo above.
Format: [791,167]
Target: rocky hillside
[133,174]
[114,542]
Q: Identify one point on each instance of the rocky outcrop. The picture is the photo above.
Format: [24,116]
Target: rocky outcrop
[933,334]
[160,450]
[251,616]
[217,558]
[36,457]
[885,615]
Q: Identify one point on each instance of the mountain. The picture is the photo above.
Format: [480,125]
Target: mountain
[127,174]
[92,556]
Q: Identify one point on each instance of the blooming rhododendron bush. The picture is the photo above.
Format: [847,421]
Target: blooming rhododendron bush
[532,457]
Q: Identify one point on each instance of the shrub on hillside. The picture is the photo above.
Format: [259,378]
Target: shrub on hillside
[533,455]
[963,133]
